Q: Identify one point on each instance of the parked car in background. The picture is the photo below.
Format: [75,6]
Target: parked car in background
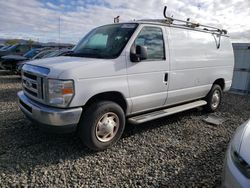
[43,54]
[236,172]
[9,62]
[5,47]
[1,46]
[17,49]
[56,53]
[39,55]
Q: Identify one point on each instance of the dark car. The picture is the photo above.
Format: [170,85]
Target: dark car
[1,46]
[17,49]
[44,54]
[5,47]
[9,62]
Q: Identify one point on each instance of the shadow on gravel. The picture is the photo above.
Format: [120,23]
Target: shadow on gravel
[131,129]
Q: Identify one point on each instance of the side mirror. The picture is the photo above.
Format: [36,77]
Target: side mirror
[138,53]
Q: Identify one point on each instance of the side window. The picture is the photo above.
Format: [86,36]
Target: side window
[152,38]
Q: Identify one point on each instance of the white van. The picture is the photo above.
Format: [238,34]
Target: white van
[134,71]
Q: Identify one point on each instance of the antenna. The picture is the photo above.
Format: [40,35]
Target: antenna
[116,19]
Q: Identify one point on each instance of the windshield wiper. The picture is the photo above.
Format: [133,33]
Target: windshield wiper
[94,49]
[85,54]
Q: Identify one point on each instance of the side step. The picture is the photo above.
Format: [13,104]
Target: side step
[165,112]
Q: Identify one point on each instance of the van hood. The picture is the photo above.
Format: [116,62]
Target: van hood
[67,67]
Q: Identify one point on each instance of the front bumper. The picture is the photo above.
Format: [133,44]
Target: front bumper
[232,177]
[50,118]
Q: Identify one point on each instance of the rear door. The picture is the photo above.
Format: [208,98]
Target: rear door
[148,79]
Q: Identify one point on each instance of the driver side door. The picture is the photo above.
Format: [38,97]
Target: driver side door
[148,79]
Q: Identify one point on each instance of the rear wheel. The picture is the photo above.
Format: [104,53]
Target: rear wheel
[101,125]
[214,98]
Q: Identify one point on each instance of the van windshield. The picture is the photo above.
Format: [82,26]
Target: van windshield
[105,42]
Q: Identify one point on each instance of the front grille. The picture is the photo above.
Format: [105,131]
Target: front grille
[33,86]
[30,92]
[34,79]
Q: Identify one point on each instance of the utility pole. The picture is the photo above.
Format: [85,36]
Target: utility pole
[59,31]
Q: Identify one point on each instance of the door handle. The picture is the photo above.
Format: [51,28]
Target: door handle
[166,78]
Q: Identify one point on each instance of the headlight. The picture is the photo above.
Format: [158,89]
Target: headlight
[239,162]
[60,92]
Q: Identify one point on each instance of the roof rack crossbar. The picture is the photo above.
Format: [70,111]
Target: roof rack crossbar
[191,24]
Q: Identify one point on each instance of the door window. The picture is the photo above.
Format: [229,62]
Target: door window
[152,38]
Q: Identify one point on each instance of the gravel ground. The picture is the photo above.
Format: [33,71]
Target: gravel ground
[177,151]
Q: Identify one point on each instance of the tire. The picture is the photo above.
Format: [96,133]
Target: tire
[101,125]
[213,98]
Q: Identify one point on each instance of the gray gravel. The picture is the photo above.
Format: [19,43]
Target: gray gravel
[180,151]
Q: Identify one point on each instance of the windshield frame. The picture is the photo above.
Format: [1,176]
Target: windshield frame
[114,56]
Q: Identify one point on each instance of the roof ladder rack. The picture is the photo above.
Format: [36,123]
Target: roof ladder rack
[188,23]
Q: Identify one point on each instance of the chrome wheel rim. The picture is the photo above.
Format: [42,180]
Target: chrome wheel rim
[107,127]
[216,99]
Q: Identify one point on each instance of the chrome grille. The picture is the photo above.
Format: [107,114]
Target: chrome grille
[33,82]
[32,85]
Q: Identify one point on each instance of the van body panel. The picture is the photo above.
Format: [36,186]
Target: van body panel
[196,63]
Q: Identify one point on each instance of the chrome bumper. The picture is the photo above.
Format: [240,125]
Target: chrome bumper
[48,115]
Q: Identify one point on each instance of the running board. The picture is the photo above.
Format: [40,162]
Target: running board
[165,112]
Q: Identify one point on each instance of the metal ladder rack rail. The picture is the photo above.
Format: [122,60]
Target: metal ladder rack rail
[187,23]
[192,24]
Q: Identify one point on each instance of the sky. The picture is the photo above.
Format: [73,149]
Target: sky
[40,20]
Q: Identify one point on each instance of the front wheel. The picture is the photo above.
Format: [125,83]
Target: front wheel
[214,98]
[101,125]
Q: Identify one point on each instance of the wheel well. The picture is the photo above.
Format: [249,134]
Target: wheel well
[220,82]
[114,96]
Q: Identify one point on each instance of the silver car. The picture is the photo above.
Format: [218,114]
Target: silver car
[236,171]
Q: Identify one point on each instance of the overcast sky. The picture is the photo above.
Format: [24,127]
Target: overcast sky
[39,19]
